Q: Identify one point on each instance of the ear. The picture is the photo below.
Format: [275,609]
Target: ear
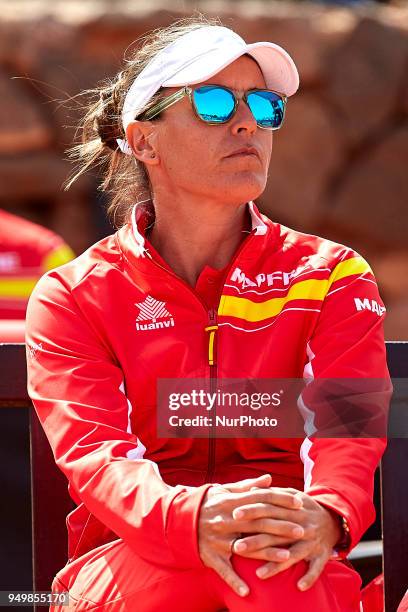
[140,136]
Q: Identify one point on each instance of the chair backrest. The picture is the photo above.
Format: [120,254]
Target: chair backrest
[394,482]
[51,502]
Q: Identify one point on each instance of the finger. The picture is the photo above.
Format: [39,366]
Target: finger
[270,553]
[273,496]
[263,481]
[292,490]
[271,527]
[256,513]
[223,545]
[298,516]
[316,567]
[298,551]
[259,541]
[224,569]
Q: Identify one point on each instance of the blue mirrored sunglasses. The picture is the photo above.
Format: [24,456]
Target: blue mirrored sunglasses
[216,104]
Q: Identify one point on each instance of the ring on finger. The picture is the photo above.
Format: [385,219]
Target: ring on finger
[233,542]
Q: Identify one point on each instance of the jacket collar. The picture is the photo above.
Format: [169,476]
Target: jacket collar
[140,220]
[135,246]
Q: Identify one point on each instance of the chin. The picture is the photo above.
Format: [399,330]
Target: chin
[245,188]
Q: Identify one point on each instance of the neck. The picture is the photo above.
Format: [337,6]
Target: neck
[189,237]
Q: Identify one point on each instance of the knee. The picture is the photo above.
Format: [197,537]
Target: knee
[337,589]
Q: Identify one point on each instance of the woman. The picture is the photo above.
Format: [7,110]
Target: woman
[197,283]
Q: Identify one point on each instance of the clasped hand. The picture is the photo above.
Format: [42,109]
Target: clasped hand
[278,525]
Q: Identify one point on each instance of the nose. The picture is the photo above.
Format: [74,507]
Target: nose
[243,120]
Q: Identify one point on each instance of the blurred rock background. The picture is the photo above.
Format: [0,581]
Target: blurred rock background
[339,166]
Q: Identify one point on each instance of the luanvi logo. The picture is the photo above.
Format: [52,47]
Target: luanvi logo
[150,311]
[367,304]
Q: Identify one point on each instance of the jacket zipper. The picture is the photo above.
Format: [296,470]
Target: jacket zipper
[212,328]
[180,280]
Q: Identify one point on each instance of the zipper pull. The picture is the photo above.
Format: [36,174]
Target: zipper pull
[212,328]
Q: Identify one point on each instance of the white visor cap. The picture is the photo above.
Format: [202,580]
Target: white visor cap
[199,55]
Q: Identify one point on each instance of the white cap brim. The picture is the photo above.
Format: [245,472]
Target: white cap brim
[278,68]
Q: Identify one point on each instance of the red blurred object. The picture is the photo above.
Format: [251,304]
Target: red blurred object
[373,597]
[12,330]
[27,251]
[403,607]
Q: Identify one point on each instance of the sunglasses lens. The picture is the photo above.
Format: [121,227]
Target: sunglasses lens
[213,104]
[267,107]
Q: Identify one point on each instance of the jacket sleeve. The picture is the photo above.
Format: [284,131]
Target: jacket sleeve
[77,390]
[347,343]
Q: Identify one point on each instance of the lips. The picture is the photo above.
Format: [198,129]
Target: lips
[244,151]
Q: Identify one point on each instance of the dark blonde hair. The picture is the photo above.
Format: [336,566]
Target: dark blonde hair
[124,178]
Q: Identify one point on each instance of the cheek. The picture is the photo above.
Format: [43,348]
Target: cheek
[185,148]
[269,145]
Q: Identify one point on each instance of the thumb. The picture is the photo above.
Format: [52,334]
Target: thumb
[262,482]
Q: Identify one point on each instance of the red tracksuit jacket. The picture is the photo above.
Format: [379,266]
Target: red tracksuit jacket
[293,305]
[27,250]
